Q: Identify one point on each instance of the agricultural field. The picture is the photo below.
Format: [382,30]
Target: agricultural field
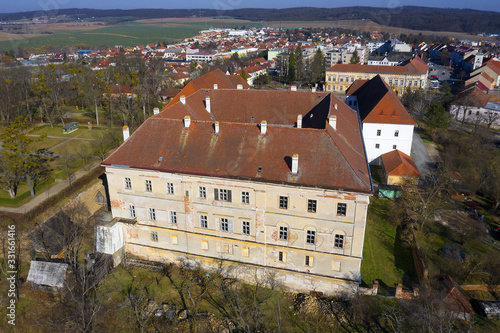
[126,34]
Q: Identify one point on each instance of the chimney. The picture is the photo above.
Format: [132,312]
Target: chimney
[216,127]
[183,99]
[126,132]
[239,86]
[295,164]
[156,111]
[263,127]
[313,89]
[336,108]
[207,104]
[299,121]
[187,121]
[293,88]
[333,121]
[216,86]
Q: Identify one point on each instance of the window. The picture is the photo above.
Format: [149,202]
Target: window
[222,195]
[128,183]
[379,132]
[352,79]
[311,237]
[131,211]
[202,191]
[173,217]
[394,146]
[149,186]
[396,133]
[309,261]
[246,228]
[339,241]
[203,221]
[283,202]
[341,209]
[170,188]
[311,206]
[224,224]
[245,197]
[390,82]
[283,233]
[154,236]
[282,256]
[377,146]
[152,214]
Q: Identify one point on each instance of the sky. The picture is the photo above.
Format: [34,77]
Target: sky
[7,6]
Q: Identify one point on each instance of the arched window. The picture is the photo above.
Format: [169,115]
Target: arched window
[338,239]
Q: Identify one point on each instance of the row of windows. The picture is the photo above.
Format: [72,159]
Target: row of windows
[377,146]
[152,214]
[226,195]
[148,186]
[312,206]
[311,237]
[396,133]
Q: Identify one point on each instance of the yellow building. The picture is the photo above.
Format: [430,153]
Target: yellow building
[264,180]
[410,76]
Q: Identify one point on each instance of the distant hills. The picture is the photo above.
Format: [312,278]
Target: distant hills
[410,17]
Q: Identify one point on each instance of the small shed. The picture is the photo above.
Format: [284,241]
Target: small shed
[399,166]
[48,276]
[71,127]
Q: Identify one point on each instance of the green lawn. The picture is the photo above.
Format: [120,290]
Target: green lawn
[57,131]
[92,134]
[71,147]
[384,257]
[45,144]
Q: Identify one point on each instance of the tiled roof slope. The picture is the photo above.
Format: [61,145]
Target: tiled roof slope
[397,163]
[253,106]
[472,96]
[328,158]
[377,103]
[415,66]
[207,81]
[239,150]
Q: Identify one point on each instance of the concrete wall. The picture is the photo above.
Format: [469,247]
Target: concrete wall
[259,249]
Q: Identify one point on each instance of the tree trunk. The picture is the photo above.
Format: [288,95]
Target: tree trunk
[96,116]
[31,185]
[12,193]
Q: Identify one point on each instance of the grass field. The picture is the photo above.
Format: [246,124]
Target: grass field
[126,34]
[57,131]
[384,257]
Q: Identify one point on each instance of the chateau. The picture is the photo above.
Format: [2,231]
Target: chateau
[264,180]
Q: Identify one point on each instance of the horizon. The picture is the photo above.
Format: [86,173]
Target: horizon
[53,7]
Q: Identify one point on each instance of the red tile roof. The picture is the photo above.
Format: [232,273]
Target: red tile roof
[238,151]
[472,96]
[415,66]
[207,81]
[378,103]
[397,163]
[328,158]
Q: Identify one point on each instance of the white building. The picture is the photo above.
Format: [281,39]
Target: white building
[200,56]
[387,126]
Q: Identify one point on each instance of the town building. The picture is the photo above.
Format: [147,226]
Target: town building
[398,168]
[386,124]
[262,180]
[411,76]
[474,106]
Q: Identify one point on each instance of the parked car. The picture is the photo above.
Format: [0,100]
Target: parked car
[434,77]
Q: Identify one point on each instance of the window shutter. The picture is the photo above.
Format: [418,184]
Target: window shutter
[229,196]
[216,194]
[230,224]
[311,260]
[336,266]
[284,256]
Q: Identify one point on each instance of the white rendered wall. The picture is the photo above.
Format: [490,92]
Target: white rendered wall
[387,139]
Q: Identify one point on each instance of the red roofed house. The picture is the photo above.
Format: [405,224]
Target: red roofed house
[398,167]
[273,180]
[387,126]
[411,76]
[252,73]
[473,105]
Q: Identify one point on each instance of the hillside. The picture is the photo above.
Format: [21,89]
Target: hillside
[410,17]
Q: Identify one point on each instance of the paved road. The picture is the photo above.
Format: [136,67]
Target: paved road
[421,155]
